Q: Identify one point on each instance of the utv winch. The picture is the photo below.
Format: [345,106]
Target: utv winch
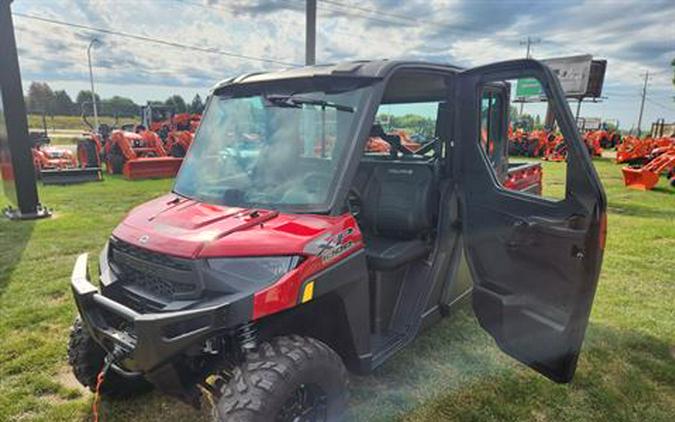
[290,250]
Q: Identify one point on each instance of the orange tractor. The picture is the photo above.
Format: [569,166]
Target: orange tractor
[175,130]
[662,161]
[60,165]
[139,155]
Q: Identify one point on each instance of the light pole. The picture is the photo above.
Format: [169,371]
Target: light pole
[91,80]
[310,32]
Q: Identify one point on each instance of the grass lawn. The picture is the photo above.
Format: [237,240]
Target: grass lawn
[73,122]
[453,371]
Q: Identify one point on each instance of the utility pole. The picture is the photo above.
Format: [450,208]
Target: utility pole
[91,80]
[310,32]
[642,103]
[528,42]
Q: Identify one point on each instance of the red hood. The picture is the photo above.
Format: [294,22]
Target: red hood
[183,227]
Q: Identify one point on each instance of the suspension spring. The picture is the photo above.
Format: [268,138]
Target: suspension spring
[248,337]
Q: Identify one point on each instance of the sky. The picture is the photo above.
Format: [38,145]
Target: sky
[633,36]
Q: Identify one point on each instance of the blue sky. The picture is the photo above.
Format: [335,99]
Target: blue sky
[634,36]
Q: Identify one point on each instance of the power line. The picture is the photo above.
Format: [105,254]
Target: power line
[210,50]
[663,106]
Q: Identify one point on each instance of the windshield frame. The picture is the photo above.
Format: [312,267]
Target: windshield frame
[301,86]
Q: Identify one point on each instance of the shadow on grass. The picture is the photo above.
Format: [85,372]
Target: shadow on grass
[14,237]
[635,210]
[622,375]
[454,371]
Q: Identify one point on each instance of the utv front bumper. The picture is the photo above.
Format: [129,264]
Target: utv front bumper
[151,340]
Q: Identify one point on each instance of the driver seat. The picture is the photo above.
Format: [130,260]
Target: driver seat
[397,211]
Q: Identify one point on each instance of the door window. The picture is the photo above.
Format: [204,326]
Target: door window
[521,143]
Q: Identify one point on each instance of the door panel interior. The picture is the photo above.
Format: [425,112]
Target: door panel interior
[535,262]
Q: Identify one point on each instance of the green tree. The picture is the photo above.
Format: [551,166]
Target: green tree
[40,98]
[84,97]
[196,106]
[120,106]
[177,102]
[62,104]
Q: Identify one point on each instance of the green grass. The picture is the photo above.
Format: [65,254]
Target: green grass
[452,372]
[72,122]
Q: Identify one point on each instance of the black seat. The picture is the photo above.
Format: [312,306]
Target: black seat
[397,210]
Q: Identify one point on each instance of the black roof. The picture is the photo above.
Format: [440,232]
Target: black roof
[352,69]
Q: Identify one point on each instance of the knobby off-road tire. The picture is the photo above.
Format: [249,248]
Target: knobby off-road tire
[283,376]
[86,357]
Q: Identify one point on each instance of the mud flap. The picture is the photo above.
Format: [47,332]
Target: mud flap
[151,167]
[70,176]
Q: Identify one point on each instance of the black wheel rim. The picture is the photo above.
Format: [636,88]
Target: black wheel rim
[308,403]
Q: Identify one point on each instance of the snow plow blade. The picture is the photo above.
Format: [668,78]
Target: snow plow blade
[151,167]
[70,176]
[639,178]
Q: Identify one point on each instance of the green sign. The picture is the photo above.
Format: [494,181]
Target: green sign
[528,88]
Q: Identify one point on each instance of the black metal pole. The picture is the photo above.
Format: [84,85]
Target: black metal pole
[16,160]
[310,32]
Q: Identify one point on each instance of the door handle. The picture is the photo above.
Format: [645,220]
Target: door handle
[572,227]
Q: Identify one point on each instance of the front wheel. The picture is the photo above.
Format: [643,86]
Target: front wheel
[287,379]
[86,358]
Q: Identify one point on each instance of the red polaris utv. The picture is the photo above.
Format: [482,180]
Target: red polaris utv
[285,253]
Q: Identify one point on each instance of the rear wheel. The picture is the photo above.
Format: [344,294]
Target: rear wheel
[116,160]
[86,154]
[86,358]
[287,379]
[177,150]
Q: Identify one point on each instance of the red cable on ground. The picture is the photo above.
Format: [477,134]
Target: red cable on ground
[97,394]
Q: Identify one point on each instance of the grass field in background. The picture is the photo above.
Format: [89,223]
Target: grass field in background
[453,371]
[73,122]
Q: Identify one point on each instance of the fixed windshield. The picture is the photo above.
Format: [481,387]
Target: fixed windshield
[270,150]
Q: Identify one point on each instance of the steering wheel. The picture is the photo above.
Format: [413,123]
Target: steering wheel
[315,182]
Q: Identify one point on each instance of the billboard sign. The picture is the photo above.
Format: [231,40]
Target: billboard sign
[580,76]
[573,73]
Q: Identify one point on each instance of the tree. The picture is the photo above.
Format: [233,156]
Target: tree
[120,106]
[85,97]
[177,102]
[40,97]
[196,106]
[62,104]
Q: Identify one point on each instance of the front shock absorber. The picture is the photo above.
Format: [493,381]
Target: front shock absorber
[248,337]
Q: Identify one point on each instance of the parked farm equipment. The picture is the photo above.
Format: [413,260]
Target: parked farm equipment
[59,165]
[634,150]
[139,155]
[175,130]
[647,176]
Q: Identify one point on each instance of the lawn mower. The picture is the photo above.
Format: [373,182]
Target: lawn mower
[287,254]
[59,165]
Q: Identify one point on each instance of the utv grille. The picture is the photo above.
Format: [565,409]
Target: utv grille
[149,256]
[150,280]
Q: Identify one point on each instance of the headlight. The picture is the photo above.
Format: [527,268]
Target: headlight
[263,270]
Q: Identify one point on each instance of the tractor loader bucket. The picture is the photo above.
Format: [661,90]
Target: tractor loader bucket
[151,167]
[70,176]
[639,178]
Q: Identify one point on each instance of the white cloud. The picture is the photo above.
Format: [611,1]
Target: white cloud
[634,36]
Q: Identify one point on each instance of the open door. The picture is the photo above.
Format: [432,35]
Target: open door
[535,261]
